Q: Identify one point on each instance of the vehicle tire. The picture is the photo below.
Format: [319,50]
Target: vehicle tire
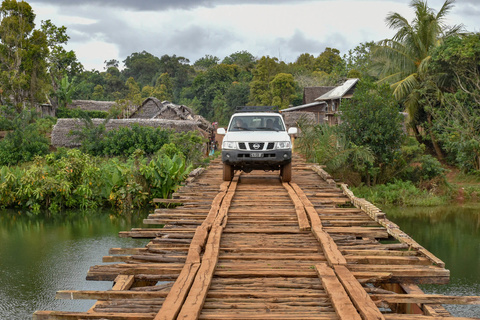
[286,172]
[227,172]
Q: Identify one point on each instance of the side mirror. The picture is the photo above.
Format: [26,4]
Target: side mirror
[221,131]
[292,130]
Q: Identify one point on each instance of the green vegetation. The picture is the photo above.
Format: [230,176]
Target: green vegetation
[400,193]
[72,179]
[24,141]
[428,69]
[143,163]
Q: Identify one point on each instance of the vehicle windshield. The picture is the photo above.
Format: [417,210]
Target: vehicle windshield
[257,123]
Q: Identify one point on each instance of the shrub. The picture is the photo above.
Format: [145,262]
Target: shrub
[70,178]
[24,142]
[124,141]
[403,193]
[431,168]
[164,174]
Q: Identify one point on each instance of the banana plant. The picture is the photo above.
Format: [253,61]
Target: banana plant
[165,174]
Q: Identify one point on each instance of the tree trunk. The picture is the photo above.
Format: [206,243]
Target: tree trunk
[437,148]
[416,133]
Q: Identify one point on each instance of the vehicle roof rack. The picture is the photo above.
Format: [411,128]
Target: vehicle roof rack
[257,109]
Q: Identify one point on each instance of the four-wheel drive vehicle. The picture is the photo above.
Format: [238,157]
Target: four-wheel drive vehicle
[257,141]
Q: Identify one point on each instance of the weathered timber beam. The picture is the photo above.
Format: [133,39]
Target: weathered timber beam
[340,300]
[127,250]
[359,296]
[302,219]
[177,294]
[371,252]
[248,315]
[399,260]
[392,229]
[65,315]
[197,273]
[330,249]
[429,309]
[369,232]
[422,317]
[122,282]
[426,298]
[107,295]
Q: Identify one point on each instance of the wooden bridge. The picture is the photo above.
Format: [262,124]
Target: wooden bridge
[255,248]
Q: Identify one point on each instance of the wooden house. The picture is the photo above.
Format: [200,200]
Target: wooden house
[324,102]
[312,93]
[333,99]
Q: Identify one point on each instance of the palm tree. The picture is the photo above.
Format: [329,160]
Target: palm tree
[403,60]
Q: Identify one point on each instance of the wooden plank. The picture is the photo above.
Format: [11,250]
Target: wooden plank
[175,298]
[400,260]
[330,249]
[340,300]
[122,282]
[309,208]
[428,309]
[303,223]
[268,315]
[107,295]
[426,298]
[197,244]
[66,315]
[368,232]
[367,308]
[196,297]
[422,317]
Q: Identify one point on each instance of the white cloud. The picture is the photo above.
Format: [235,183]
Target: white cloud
[192,29]
[93,54]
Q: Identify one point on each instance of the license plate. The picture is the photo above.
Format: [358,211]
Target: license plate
[256,155]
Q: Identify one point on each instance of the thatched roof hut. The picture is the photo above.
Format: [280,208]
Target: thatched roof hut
[152,113]
[148,109]
[152,108]
[61,133]
[91,105]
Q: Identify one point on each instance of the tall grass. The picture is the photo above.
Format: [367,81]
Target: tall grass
[401,193]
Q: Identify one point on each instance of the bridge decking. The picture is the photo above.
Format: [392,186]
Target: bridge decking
[256,248]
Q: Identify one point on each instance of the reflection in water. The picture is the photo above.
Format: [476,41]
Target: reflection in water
[453,235]
[41,255]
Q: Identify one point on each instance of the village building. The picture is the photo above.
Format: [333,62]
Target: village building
[152,112]
[91,105]
[325,106]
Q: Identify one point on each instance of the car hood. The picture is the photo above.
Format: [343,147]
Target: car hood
[257,136]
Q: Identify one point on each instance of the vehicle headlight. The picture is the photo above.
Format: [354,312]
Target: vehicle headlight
[283,145]
[229,145]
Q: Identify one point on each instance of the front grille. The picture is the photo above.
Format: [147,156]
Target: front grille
[256,145]
[261,146]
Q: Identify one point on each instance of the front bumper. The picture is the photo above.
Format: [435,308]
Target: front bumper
[257,160]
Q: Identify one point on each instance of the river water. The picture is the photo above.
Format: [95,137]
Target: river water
[452,233]
[41,255]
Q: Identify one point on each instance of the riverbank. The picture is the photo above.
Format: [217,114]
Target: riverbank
[453,188]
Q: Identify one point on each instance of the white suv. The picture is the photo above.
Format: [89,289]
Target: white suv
[257,141]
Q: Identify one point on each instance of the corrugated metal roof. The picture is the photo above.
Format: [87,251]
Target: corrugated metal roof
[339,91]
[303,106]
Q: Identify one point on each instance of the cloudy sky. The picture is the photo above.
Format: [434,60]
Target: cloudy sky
[102,30]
